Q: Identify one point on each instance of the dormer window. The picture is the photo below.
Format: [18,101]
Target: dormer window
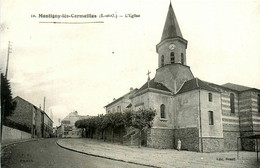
[172,58]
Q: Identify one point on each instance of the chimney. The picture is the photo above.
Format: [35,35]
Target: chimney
[131,89]
[114,99]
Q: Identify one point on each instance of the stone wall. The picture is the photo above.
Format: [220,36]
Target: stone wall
[230,141]
[10,134]
[213,144]
[248,144]
[23,112]
[160,138]
[189,138]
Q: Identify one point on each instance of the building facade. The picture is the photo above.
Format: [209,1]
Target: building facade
[33,117]
[68,128]
[206,117]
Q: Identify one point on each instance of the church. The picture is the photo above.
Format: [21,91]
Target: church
[206,117]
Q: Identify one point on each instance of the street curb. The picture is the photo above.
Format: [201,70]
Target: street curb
[104,157]
[3,146]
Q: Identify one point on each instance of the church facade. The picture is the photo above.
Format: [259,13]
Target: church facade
[206,117]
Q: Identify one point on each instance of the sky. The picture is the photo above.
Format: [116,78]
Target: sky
[84,66]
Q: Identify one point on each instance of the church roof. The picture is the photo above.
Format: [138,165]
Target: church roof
[195,83]
[171,26]
[122,97]
[153,84]
[236,87]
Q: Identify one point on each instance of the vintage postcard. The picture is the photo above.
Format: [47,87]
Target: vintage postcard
[134,83]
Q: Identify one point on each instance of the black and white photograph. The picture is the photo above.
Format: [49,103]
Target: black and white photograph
[133,83]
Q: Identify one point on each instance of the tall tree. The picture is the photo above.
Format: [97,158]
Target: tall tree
[7,103]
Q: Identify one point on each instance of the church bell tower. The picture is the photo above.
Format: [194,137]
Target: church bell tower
[172,47]
[172,69]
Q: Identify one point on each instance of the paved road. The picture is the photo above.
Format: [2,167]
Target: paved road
[45,153]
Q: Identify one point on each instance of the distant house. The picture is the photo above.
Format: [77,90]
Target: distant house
[67,127]
[122,103]
[33,117]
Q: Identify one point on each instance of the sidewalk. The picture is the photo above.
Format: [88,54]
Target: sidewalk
[167,158]
[7,143]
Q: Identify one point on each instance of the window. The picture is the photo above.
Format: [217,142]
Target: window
[162,60]
[118,108]
[182,58]
[210,97]
[162,109]
[258,102]
[211,119]
[172,57]
[232,103]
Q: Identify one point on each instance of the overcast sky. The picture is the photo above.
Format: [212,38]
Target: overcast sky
[84,66]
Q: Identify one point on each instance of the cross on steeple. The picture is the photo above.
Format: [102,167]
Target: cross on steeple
[148,74]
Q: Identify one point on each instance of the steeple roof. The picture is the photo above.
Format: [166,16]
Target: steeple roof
[171,28]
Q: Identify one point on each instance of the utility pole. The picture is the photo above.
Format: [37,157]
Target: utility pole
[44,104]
[8,54]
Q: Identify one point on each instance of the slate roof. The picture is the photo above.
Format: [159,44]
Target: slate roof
[155,85]
[195,83]
[236,87]
[171,27]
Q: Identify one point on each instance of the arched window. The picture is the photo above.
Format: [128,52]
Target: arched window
[182,58]
[172,58]
[162,109]
[162,60]
[232,103]
[210,97]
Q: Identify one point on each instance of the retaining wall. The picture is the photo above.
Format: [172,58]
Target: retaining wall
[10,134]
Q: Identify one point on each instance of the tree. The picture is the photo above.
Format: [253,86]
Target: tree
[102,123]
[138,119]
[142,119]
[115,120]
[7,103]
[127,118]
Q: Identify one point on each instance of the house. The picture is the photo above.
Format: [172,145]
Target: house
[33,117]
[68,128]
[122,103]
[206,117]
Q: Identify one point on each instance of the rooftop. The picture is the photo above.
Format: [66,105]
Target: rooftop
[195,83]
[155,85]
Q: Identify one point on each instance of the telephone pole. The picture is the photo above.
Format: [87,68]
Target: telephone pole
[8,54]
[44,104]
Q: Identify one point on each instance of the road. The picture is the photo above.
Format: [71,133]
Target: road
[46,153]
